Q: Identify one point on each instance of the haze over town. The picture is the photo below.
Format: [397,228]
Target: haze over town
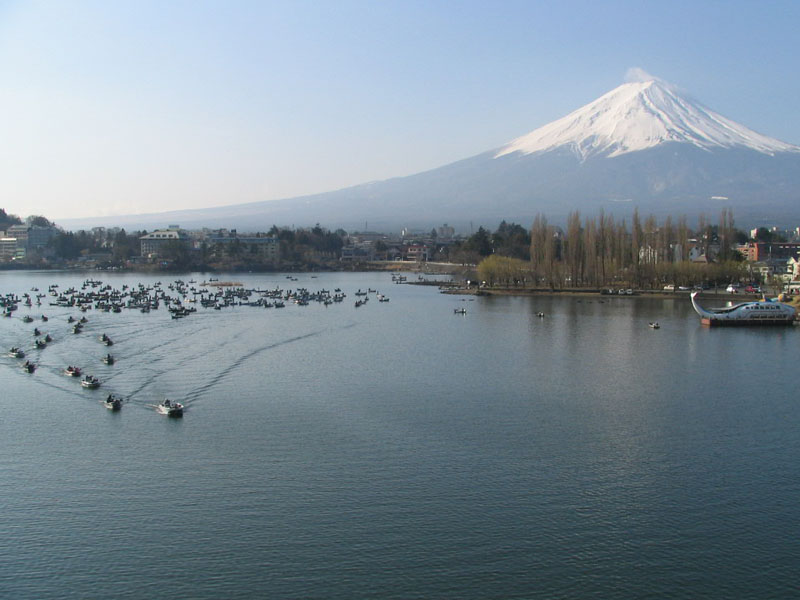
[128,108]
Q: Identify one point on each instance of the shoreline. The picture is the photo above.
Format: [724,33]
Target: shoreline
[590,292]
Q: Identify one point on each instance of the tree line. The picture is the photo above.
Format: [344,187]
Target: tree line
[601,251]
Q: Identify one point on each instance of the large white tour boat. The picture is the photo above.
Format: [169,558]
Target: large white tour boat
[765,312]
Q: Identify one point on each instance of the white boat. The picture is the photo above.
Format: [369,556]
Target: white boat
[90,382]
[764,312]
[170,408]
[72,371]
[654,325]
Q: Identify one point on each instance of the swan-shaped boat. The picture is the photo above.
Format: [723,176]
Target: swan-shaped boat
[764,312]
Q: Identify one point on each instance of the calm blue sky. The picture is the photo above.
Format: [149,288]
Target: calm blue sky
[113,107]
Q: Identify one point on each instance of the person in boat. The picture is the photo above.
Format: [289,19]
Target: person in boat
[166,402]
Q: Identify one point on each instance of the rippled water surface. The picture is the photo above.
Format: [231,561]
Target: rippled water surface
[398,450]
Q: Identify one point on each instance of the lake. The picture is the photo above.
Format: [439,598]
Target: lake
[398,450]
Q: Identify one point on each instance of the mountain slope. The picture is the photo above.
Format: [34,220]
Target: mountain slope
[641,144]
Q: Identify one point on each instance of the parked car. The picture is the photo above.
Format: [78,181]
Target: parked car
[669,288]
[752,289]
[732,288]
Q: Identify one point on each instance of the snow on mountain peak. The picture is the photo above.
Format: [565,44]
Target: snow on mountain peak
[641,114]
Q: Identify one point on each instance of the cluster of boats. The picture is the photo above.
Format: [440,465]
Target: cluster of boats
[181,300]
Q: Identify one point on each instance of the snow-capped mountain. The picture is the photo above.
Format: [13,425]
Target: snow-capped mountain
[641,115]
[642,144]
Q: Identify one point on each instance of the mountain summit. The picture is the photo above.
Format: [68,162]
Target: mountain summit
[641,115]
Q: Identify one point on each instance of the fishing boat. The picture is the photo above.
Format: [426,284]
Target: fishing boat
[763,312]
[90,382]
[113,402]
[71,371]
[108,359]
[654,325]
[15,352]
[170,408]
[29,366]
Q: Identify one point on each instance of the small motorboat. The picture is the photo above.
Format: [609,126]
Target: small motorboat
[654,325]
[15,352]
[29,366]
[460,311]
[71,319]
[27,319]
[90,382]
[44,318]
[47,338]
[71,371]
[108,359]
[106,340]
[40,344]
[113,402]
[170,408]
[540,315]
[36,332]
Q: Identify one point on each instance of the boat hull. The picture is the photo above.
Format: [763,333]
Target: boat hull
[711,322]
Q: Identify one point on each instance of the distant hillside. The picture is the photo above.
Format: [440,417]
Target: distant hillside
[642,144]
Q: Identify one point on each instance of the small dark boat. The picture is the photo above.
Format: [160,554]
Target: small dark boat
[113,402]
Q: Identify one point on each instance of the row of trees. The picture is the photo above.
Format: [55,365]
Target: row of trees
[600,252]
